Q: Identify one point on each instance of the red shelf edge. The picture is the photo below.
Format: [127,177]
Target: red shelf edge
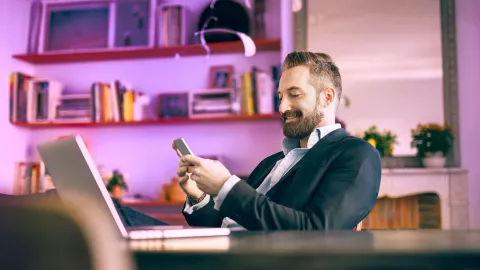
[144,53]
[233,118]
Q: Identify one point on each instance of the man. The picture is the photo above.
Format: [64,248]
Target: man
[322,179]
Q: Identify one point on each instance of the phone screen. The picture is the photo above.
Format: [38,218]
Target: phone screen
[182,147]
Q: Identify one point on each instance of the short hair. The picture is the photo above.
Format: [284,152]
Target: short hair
[323,71]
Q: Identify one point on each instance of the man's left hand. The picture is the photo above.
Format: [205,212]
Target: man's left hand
[210,175]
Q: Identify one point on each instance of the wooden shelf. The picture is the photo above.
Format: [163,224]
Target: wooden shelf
[143,53]
[166,121]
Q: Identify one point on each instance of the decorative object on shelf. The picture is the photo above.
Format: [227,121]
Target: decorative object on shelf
[382,141]
[173,105]
[210,103]
[117,184]
[221,77]
[433,142]
[248,44]
[172,192]
[224,14]
[142,107]
[230,23]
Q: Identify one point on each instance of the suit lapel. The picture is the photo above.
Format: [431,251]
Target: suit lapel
[311,159]
[268,168]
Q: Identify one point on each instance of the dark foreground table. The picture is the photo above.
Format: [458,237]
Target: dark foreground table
[315,250]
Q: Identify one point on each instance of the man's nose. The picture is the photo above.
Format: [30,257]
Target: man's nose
[284,106]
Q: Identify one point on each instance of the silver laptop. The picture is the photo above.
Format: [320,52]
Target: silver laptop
[72,170]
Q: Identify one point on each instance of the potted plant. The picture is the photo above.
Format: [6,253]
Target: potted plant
[116,184]
[382,141]
[433,142]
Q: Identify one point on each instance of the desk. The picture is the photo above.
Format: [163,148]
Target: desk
[315,250]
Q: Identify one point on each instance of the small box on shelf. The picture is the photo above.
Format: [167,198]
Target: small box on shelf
[210,103]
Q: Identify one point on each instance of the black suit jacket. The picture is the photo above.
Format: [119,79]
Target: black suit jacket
[333,187]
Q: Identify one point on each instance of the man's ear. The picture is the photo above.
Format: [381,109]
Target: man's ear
[329,96]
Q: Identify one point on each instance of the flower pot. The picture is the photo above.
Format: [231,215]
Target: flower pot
[434,161]
[117,192]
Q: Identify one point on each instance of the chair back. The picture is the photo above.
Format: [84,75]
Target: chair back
[47,235]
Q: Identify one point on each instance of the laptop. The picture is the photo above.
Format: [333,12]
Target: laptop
[72,170]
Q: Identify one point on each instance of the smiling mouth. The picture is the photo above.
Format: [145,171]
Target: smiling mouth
[290,119]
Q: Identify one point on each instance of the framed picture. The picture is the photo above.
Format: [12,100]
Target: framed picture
[132,23]
[173,105]
[221,77]
[74,25]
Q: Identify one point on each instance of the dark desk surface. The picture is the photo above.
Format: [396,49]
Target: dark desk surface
[427,249]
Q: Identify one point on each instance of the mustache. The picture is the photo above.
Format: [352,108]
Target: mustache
[287,114]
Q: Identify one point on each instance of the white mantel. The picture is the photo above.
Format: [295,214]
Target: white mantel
[450,184]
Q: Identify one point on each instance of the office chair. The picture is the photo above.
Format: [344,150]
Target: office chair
[49,235]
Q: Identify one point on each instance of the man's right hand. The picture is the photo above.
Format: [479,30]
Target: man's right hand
[188,186]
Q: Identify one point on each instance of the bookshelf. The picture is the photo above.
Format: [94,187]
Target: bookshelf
[137,148]
[164,121]
[263,45]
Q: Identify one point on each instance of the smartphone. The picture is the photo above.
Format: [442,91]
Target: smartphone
[182,147]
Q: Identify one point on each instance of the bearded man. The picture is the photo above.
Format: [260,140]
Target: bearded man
[323,179]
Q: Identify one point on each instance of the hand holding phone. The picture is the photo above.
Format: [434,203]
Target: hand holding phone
[188,185]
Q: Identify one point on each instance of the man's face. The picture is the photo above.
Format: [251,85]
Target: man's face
[299,106]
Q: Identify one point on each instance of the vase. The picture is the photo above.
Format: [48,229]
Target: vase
[434,161]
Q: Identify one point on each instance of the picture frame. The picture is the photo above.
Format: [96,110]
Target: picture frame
[221,77]
[173,105]
[132,23]
[81,16]
[103,24]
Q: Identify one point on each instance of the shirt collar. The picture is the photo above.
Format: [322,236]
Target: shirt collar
[289,144]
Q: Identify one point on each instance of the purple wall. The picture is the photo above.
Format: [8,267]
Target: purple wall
[13,24]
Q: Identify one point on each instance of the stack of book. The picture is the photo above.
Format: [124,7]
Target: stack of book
[33,100]
[74,108]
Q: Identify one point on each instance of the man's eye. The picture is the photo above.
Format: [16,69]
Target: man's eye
[293,95]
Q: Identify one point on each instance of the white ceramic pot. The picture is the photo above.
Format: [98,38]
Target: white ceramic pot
[434,162]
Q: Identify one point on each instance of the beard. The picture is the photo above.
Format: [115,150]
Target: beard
[304,126]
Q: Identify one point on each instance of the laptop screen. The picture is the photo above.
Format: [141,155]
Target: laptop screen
[73,170]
